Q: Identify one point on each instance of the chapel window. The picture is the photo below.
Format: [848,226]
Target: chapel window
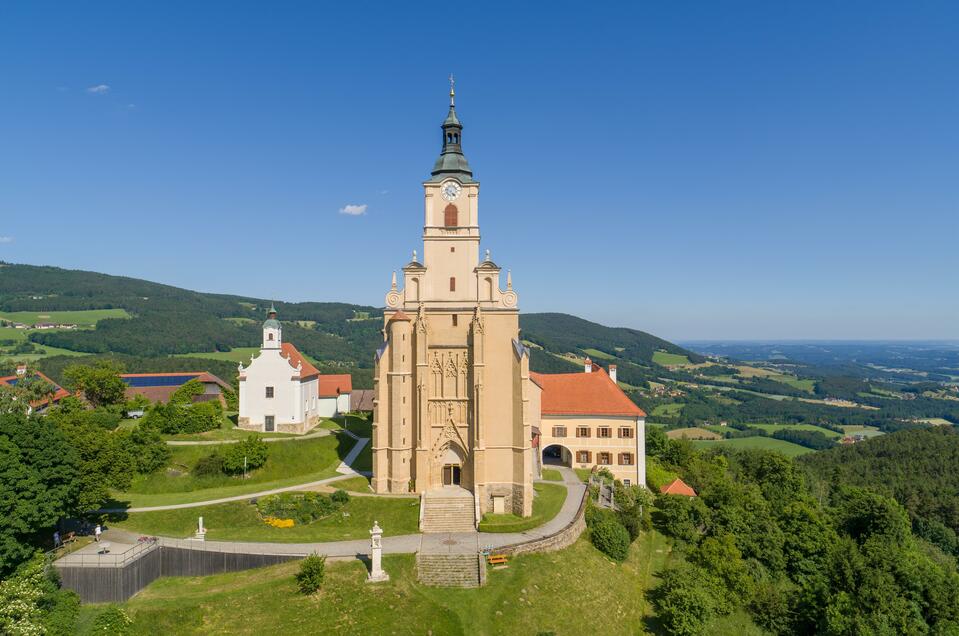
[451,216]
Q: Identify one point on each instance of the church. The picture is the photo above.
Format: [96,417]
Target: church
[454,404]
[281,391]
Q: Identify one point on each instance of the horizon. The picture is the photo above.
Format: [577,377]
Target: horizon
[723,174]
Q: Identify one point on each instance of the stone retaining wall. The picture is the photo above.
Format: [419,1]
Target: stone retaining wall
[557,541]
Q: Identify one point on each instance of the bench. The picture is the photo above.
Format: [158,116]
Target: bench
[497,559]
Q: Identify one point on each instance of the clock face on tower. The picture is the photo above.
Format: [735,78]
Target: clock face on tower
[451,190]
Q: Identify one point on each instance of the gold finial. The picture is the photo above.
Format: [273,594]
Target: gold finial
[452,90]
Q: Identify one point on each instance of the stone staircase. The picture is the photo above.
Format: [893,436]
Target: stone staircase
[449,570]
[448,511]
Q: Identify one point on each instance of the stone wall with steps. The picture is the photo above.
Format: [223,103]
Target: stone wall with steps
[556,541]
[451,570]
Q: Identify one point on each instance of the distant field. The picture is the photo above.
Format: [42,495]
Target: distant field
[868,431]
[692,433]
[667,410]
[47,353]
[669,359]
[240,321]
[237,354]
[754,372]
[770,428]
[86,318]
[786,448]
[806,385]
[596,353]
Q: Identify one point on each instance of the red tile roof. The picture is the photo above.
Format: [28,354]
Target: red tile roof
[584,394]
[57,396]
[678,487]
[296,358]
[400,315]
[333,385]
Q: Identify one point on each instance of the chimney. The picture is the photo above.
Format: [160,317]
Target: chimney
[612,372]
[21,369]
[588,366]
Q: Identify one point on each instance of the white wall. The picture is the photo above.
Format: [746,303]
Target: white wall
[270,368]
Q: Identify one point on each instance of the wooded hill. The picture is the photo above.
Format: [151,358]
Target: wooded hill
[168,320]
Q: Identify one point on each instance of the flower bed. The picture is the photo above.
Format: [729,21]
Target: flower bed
[286,509]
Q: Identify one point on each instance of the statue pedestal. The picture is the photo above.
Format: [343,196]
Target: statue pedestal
[377,574]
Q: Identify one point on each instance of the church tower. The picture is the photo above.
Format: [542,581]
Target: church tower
[452,387]
[272,330]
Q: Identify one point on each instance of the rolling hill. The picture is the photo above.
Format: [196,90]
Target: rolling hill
[164,321]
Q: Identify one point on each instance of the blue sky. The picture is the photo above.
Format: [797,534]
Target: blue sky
[698,170]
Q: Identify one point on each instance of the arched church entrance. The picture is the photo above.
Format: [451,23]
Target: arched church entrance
[557,455]
[452,462]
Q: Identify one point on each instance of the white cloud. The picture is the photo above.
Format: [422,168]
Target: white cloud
[99,89]
[353,210]
[6,239]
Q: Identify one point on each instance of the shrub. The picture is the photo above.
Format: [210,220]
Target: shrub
[682,602]
[340,497]
[186,392]
[633,520]
[310,577]
[209,465]
[112,621]
[253,449]
[610,538]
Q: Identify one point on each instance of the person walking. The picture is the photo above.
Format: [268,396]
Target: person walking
[56,539]
[96,532]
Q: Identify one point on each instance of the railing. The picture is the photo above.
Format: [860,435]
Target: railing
[105,559]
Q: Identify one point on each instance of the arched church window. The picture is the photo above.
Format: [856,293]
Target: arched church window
[451,216]
[449,138]
[456,138]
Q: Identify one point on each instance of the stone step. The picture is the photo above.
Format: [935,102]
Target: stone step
[448,514]
[448,570]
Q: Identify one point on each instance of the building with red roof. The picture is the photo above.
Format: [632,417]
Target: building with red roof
[37,405]
[587,421]
[160,387]
[281,390]
[678,487]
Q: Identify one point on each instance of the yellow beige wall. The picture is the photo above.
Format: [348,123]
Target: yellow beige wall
[635,473]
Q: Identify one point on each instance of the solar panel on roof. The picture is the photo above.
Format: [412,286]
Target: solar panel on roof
[158,380]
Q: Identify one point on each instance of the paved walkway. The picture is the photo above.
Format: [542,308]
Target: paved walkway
[402,544]
[344,470]
[322,432]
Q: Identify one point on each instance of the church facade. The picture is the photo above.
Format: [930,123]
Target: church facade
[280,390]
[454,404]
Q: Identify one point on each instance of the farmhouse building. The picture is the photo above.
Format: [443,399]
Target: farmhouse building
[57,394]
[280,390]
[160,387]
[588,422]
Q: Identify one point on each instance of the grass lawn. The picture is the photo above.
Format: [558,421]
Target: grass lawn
[240,521]
[786,448]
[667,410]
[599,355]
[229,431]
[669,359]
[547,502]
[551,474]
[353,484]
[48,352]
[868,431]
[85,318]
[564,592]
[583,474]
[770,428]
[289,463]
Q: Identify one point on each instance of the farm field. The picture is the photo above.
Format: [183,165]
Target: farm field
[692,433]
[289,463]
[868,431]
[669,359]
[547,501]
[240,521]
[803,384]
[770,428]
[538,593]
[786,448]
[85,318]
[667,410]
[599,355]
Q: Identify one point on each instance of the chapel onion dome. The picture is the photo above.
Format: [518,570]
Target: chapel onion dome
[452,162]
[271,322]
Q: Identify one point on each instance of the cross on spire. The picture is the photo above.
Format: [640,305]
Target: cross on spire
[452,90]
